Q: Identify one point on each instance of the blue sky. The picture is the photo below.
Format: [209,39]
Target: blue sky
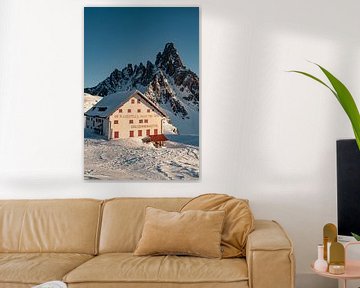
[116,36]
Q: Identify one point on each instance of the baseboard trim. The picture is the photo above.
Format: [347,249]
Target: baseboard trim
[311,280]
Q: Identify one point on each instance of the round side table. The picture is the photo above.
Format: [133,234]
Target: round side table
[352,269]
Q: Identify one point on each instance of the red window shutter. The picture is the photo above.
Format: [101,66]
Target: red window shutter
[132,101]
[146,121]
[139,132]
[148,110]
[147,132]
[116,121]
[131,133]
[131,121]
[116,134]
[139,110]
[155,131]
[120,110]
[129,110]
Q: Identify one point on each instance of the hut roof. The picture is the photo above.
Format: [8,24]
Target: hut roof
[110,103]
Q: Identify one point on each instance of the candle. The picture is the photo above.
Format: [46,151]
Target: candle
[336,269]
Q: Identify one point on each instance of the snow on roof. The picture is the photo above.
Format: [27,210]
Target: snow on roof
[110,103]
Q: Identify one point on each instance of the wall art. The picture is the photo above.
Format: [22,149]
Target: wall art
[141,93]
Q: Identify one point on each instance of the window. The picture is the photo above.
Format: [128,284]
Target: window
[148,110]
[139,132]
[146,121]
[131,133]
[129,110]
[131,121]
[120,110]
[102,109]
[147,132]
[132,101]
[116,121]
[155,131]
[139,101]
[139,110]
[140,121]
[116,134]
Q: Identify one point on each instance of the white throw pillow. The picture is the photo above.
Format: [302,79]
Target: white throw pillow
[51,284]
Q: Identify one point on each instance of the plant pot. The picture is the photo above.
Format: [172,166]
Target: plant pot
[348,187]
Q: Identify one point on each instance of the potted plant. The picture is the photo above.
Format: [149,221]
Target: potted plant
[343,95]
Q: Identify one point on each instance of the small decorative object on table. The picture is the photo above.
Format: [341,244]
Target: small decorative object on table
[329,236]
[320,264]
[337,259]
[333,251]
[340,267]
[52,284]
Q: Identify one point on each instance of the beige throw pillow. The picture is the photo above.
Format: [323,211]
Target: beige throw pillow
[196,233]
[239,220]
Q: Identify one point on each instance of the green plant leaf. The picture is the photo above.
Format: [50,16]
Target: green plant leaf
[316,79]
[356,236]
[346,100]
[344,97]
[357,137]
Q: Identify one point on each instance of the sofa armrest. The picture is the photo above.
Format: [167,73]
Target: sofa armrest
[269,256]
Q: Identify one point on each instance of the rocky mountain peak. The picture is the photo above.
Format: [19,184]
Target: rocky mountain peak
[149,65]
[169,59]
[167,82]
[127,71]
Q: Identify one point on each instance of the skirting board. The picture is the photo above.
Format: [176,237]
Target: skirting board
[309,280]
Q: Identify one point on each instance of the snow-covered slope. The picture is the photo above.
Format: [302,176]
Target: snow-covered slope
[168,83]
[130,159]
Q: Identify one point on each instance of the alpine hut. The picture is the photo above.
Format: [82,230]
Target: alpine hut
[124,115]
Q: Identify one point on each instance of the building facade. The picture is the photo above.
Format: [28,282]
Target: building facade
[125,115]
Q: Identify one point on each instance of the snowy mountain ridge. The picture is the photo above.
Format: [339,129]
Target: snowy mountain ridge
[168,83]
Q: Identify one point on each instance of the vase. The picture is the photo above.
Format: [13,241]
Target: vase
[320,264]
[348,183]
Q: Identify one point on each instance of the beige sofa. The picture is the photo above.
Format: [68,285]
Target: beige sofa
[89,243]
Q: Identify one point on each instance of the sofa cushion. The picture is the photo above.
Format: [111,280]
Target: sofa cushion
[239,220]
[126,268]
[36,268]
[62,226]
[123,220]
[193,232]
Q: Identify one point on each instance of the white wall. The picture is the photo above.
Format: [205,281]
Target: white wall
[273,137]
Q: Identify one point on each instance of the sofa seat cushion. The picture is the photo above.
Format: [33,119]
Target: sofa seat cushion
[36,268]
[125,267]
